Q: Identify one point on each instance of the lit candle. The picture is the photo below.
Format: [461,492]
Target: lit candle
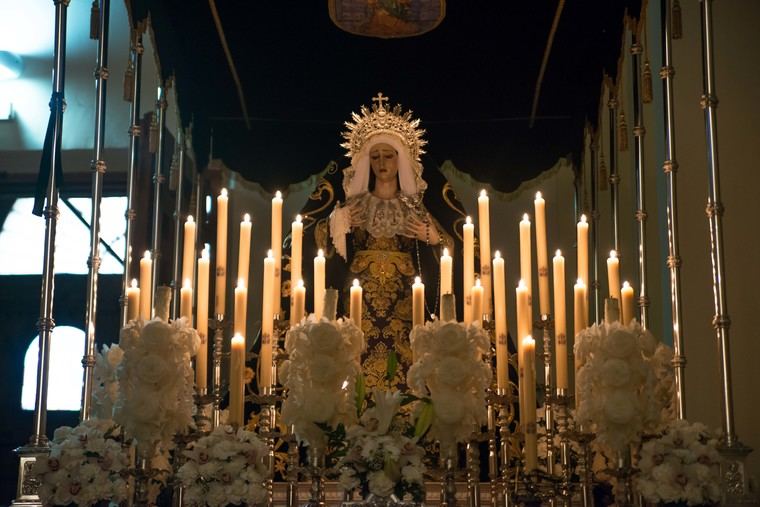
[580,312]
[531,442]
[296,242]
[500,315]
[133,301]
[355,307]
[613,275]
[186,301]
[267,322]
[201,359]
[468,267]
[244,250]
[319,284]
[484,223]
[277,250]
[476,294]
[582,242]
[522,308]
[241,307]
[418,302]
[627,307]
[525,255]
[146,298]
[188,251]
[221,252]
[237,370]
[560,321]
[446,270]
[299,303]
[542,255]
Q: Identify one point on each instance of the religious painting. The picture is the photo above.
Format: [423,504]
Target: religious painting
[387,19]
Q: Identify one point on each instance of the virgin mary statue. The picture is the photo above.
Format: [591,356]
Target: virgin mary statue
[383,235]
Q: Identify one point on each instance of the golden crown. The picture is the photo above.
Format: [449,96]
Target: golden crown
[384,120]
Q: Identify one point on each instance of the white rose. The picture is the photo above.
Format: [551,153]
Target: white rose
[620,343]
[450,339]
[324,369]
[152,369]
[319,406]
[157,336]
[348,479]
[115,355]
[620,407]
[451,372]
[324,337]
[412,474]
[380,484]
[448,407]
[616,373]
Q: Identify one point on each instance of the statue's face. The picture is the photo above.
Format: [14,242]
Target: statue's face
[383,160]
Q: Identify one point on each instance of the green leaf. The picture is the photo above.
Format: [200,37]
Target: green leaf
[391,366]
[424,420]
[361,392]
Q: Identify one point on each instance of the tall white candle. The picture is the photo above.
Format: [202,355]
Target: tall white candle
[500,315]
[560,321]
[446,271]
[319,284]
[201,358]
[613,275]
[522,308]
[580,311]
[484,223]
[188,251]
[476,294]
[627,308]
[237,371]
[241,308]
[133,301]
[296,242]
[146,298]
[525,255]
[542,255]
[186,301]
[355,306]
[468,266]
[299,303]
[221,252]
[277,250]
[531,442]
[244,251]
[582,245]
[418,302]
[267,323]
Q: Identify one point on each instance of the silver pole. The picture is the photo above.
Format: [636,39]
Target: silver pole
[178,204]
[136,53]
[614,178]
[670,167]
[594,282]
[638,163]
[158,180]
[37,446]
[98,168]
[733,471]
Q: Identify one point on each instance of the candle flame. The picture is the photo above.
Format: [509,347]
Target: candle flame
[238,338]
[269,254]
[583,219]
[528,341]
[246,218]
[146,255]
[521,285]
[299,285]
[356,282]
[538,195]
[483,193]
[278,195]
[190,219]
[205,253]
[298,218]
[417,280]
[626,285]
[526,218]
[320,253]
[134,283]
[613,254]
[223,193]
[468,221]
[558,253]
[241,283]
[186,284]
[580,283]
[497,255]
[477,282]
[445,252]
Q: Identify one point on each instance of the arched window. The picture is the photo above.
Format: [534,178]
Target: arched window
[65,374]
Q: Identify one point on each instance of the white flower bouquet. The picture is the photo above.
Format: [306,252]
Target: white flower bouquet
[450,368]
[86,464]
[624,383]
[382,457]
[320,377]
[105,390]
[225,467]
[681,465]
[155,395]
